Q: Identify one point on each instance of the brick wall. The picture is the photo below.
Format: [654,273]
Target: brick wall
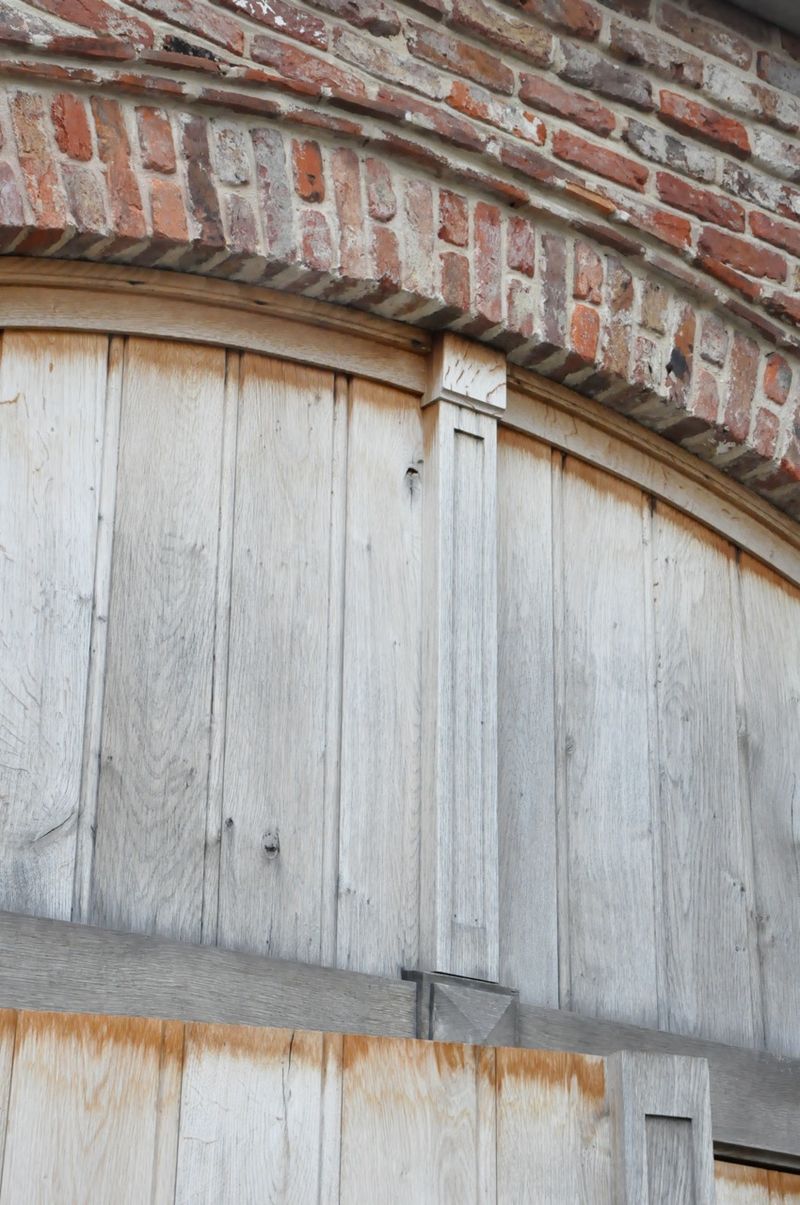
[610,191]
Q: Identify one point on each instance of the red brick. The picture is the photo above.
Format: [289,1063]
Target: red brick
[588,275]
[38,166]
[386,256]
[315,73]
[572,16]
[681,359]
[377,18]
[584,332]
[599,160]
[155,140]
[705,403]
[511,33]
[551,98]
[168,210]
[455,280]
[743,284]
[713,39]
[309,181]
[347,195]
[462,58]
[12,213]
[411,110]
[521,245]
[667,227]
[784,306]
[453,218]
[71,126]
[198,18]
[777,233]
[381,201]
[418,264]
[315,240]
[385,64]
[482,106]
[203,200]
[748,257]
[633,45]
[705,204]
[741,390]
[705,123]
[284,18]
[488,271]
[765,436]
[777,378]
[99,17]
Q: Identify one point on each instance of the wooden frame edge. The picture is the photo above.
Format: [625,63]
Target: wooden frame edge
[65,967]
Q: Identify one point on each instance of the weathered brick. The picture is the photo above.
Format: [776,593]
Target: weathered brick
[577,17]
[482,106]
[377,18]
[741,389]
[199,18]
[203,199]
[418,261]
[455,280]
[231,155]
[681,358]
[453,218]
[709,206]
[241,224]
[521,245]
[349,211]
[587,69]
[316,245]
[12,213]
[462,58]
[385,252]
[599,160]
[71,126]
[316,73]
[550,98]
[519,308]
[381,201]
[747,257]
[386,65]
[777,378]
[673,152]
[553,297]
[155,139]
[668,227]
[729,276]
[113,145]
[633,8]
[274,194]
[309,180]
[701,121]
[705,402]
[654,307]
[85,197]
[635,45]
[779,157]
[713,39]
[584,332]
[778,72]
[168,210]
[511,33]
[100,18]
[39,170]
[588,274]
[777,233]
[714,340]
[765,435]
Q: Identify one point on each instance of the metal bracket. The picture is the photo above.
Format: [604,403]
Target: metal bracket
[451,1008]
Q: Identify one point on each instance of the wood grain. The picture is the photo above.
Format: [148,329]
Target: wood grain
[151,813]
[606,750]
[378,905]
[52,396]
[272,833]
[525,721]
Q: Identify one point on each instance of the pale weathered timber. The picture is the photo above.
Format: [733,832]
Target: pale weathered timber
[52,400]
[661,1130]
[737,1184]
[526,811]
[770,618]
[87,1088]
[378,902]
[466,373]
[459,925]
[151,810]
[553,1134]
[707,989]
[606,794]
[272,827]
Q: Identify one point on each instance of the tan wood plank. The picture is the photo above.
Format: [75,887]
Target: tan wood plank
[87,1088]
[151,816]
[8,1035]
[525,721]
[707,989]
[250,1116]
[740,1185]
[378,905]
[770,610]
[410,1119]
[606,750]
[275,758]
[52,398]
[553,1133]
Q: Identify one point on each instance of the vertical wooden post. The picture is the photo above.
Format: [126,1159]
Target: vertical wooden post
[661,1117]
[459,883]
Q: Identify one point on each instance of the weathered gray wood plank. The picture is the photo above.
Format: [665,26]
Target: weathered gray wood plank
[52,396]
[151,811]
[272,832]
[606,750]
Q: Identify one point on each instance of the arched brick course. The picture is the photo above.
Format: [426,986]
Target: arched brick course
[603,190]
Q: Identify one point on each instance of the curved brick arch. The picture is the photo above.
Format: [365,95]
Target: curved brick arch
[603,190]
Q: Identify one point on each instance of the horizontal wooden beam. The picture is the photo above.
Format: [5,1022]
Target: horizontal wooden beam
[54,965]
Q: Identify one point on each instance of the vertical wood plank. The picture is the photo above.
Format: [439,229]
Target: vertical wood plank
[409,1118]
[459,918]
[553,1134]
[330,1145]
[737,1184]
[670,1166]
[93,726]
[607,777]
[168,1106]
[8,1036]
[378,905]
[272,842]
[87,1088]
[250,1116]
[525,721]
[770,611]
[52,394]
[704,918]
[151,816]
